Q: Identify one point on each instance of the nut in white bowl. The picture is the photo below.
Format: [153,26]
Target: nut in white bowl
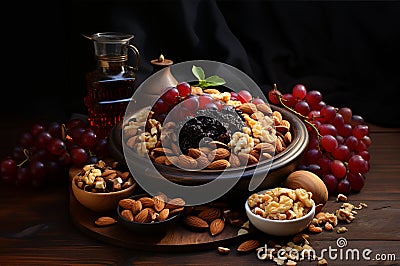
[280,211]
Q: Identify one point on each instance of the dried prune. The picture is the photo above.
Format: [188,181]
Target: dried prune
[209,123]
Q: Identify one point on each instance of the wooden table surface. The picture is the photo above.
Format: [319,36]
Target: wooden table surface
[36,228]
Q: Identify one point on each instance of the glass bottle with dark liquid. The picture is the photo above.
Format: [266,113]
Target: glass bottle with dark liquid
[111,85]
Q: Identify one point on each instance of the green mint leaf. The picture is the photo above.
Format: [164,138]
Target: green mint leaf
[198,73]
[215,81]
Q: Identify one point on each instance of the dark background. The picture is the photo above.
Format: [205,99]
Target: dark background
[347,50]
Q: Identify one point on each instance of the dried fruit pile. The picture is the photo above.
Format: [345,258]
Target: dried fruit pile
[339,140]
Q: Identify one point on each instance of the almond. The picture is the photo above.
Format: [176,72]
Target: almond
[159,203]
[282,129]
[248,108]
[217,226]
[246,158]
[218,153]
[152,214]
[162,151]
[278,115]
[186,162]
[126,203]
[264,108]
[195,153]
[195,222]
[171,160]
[265,147]
[175,203]
[136,207]
[219,164]
[234,160]
[248,245]
[105,221]
[217,144]
[223,250]
[279,144]
[175,149]
[160,159]
[127,214]
[288,138]
[108,172]
[258,116]
[255,153]
[210,214]
[285,123]
[146,201]
[143,216]
[124,175]
[175,211]
[163,215]
[202,162]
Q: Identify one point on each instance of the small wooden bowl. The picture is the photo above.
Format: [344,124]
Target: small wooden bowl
[156,227]
[100,202]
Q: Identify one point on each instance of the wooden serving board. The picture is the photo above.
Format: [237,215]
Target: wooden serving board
[177,238]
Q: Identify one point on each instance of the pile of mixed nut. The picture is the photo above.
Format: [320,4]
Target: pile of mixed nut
[258,134]
[102,177]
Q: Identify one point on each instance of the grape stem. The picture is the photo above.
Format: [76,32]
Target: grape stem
[26,153]
[303,117]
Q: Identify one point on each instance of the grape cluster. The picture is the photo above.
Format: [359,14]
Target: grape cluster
[44,153]
[187,104]
[339,140]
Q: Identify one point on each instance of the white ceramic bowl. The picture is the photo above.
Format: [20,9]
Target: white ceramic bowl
[280,227]
[100,202]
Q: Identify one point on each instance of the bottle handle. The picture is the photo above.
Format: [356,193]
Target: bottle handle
[136,52]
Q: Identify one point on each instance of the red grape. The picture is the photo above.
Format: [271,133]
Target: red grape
[328,113]
[360,131]
[302,107]
[36,129]
[338,168]
[88,139]
[357,164]
[8,170]
[346,113]
[273,96]
[183,89]
[43,139]
[170,96]
[38,173]
[331,183]
[191,102]
[55,130]
[257,100]
[160,107]
[244,96]
[343,187]
[356,181]
[204,99]
[299,92]
[329,143]
[342,153]
[56,147]
[313,97]
[24,176]
[79,156]
[327,129]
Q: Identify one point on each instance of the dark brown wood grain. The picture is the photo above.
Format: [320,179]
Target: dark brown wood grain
[37,228]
